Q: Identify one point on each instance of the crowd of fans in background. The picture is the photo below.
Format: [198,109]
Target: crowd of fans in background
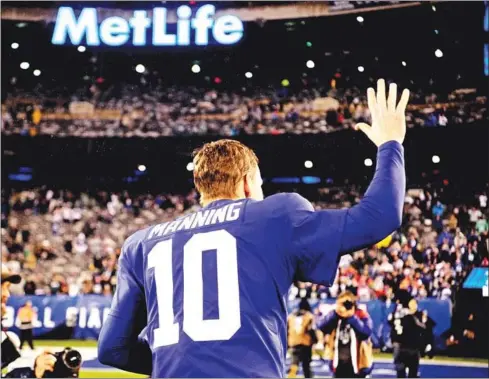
[68,243]
[150,111]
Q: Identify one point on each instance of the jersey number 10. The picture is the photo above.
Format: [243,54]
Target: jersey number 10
[194,325]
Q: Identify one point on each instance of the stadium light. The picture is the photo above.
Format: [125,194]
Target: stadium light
[434,8]
[435,159]
[37,72]
[308,164]
[81,49]
[285,82]
[14,45]
[438,53]
[360,19]
[140,68]
[24,65]
[249,75]
[142,168]
[404,63]
[361,69]
[309,44]
[436,31]
[195,68]
[190,166]
[310,64]
[368,162]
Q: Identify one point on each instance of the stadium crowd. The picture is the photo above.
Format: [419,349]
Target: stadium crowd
[68,243]
[125,110]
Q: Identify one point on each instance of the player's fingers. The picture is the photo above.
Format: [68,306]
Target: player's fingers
[381,100]
[366,128]
[401,107]
[372,104]
[391,102]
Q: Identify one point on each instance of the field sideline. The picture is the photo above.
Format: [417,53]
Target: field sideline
[113,373]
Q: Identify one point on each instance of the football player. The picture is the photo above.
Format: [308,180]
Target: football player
[211,287]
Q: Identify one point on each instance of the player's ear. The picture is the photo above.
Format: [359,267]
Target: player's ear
[247,185]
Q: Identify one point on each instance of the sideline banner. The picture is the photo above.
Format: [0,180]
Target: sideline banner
[81,317]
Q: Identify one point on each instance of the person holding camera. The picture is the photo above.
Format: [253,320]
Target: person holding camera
[348,329]
[47,364]
[407,336]
[301,336]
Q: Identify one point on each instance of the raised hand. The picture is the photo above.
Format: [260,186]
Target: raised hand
[388,121]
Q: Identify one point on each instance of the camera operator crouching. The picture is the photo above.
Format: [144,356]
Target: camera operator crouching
[348,329]
[63,364]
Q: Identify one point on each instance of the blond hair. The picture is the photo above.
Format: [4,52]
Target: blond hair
[219,166]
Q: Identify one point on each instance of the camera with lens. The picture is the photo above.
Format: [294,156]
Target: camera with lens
[68,363]
[348,304]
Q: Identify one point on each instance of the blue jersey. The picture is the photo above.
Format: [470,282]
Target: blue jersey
[210,287]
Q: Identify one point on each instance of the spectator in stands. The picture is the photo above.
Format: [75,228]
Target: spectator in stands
[427,262]
[151,111]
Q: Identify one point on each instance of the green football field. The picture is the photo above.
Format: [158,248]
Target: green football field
[108,373]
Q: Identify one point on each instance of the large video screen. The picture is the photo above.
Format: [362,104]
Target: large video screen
[478,279]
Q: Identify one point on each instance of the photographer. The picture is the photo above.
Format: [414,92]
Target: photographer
[407,336]
[348,345]
[43,363]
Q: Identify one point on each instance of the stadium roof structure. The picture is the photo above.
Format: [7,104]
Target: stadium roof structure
[258,11]
[132,4]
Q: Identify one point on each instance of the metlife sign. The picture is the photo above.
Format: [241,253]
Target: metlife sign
[194,27]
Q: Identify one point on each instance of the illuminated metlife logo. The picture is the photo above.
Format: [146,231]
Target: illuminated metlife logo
[116,31]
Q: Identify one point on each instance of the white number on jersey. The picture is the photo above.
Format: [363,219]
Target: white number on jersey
[194,325]
[398,326]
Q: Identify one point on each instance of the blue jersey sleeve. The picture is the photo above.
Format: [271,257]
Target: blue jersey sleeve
[120,343]
[318,238]
[315,240]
